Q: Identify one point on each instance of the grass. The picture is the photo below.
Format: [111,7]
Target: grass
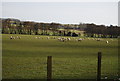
[26,58]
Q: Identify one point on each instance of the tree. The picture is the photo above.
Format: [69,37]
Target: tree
[74,34]
[54,27]
[36,27]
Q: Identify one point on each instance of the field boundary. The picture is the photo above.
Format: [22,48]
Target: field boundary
[49,67]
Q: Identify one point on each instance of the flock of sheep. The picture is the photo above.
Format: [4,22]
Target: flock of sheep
[64,39]
[12,37]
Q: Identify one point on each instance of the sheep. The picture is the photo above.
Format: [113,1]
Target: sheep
[111,39]
[83,38]
[88,38]
[54,37]
[68,39]
[62,39]
[18,37]
[79,39]
[106,77]
[11,37]
[36,37]
[65,39]
[98,39]
[39,37]
[59,38]
[93,39]
[48,37]
[118,78]
[107,42]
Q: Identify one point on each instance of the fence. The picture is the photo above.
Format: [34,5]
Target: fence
[49,67]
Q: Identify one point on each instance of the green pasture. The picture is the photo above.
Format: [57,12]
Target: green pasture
[26,58]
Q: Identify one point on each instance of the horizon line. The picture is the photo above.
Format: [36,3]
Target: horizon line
[56,22]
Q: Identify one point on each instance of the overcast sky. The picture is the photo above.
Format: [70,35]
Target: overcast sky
[63,12]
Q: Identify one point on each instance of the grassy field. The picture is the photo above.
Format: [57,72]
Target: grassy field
[25,58]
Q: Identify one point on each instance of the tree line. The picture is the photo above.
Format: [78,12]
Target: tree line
[15,26]
[102,31]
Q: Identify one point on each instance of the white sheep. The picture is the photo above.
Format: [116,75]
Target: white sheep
[68,39]
[106,77]
[11,37]
[118,78]
[59,38]
[18,37]
[98,39]
[62,39]
[111,39]
[48,37]
[79,39]
[107,42]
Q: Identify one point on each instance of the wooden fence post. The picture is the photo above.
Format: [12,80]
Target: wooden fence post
[49,68]
[99,66]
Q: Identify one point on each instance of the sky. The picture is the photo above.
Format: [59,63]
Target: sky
[105,13]
[59,0]
[119,13]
